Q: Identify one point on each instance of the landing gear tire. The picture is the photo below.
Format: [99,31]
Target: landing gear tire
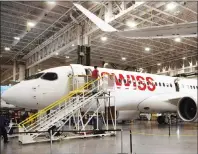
[161,120]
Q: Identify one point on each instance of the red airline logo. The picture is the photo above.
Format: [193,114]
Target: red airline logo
[136,81]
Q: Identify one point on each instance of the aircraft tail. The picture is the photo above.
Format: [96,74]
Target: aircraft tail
[96,20]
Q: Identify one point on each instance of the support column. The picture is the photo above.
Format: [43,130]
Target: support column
[88,56]
[21,72]
[108,12]
[87,51]
[32,71]
[80,49]
[79,35]
[14,70]
[123,5]
[86,41]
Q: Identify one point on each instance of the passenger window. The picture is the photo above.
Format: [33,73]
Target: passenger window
[194,87]
[167,85]
[163,84]
[50,76]
[190,87]
[156,83]
[124,81]
[197,87]
[129,81]
[171,85]
[159,83]
[119,80]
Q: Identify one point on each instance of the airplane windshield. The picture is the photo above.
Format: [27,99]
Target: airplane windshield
[35,76]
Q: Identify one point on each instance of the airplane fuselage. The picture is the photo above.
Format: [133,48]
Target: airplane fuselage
[132,90]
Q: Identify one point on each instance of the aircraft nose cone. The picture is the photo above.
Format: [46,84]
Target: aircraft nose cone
[21,95]
[9,95]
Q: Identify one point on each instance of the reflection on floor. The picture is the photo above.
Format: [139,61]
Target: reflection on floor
[148,138]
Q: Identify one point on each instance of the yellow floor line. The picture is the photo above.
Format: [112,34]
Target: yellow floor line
[138,133]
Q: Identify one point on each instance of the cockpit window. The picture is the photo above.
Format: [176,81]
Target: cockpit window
[35,76]
[50,76]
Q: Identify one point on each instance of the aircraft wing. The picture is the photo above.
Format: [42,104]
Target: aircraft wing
[99,22]
[167,31]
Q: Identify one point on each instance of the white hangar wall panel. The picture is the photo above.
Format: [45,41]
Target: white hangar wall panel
[174,67]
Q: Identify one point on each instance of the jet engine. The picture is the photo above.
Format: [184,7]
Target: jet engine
[187,109]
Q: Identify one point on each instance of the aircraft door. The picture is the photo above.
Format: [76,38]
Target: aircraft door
[79,75]
[176,85]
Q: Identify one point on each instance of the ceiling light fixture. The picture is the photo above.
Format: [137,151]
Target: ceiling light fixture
[184,58]
[72,45]
[123,58]
[159,64]
[177,39]
[31,24]
[7,49]
[103,38]
[67,57]
[131,24]
[17,38]
[171,6]
[147,49]
[57,53]
[51,2]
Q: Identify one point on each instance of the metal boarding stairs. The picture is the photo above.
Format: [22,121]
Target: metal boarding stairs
[60,112]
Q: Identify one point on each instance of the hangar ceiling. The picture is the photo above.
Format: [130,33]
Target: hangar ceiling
[39,24]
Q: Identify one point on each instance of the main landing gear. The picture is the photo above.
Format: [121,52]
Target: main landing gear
[165,119]
[161,120]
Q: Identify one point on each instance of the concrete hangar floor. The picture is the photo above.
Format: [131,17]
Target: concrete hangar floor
[147,138]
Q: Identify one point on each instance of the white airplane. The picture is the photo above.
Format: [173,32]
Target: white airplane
[134,92]
[165,31]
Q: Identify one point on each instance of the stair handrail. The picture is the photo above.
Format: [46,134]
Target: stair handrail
[58,102]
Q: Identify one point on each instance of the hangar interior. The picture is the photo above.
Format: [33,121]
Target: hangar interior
[38,35]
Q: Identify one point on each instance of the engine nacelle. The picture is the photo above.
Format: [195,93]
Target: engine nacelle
[187,109]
